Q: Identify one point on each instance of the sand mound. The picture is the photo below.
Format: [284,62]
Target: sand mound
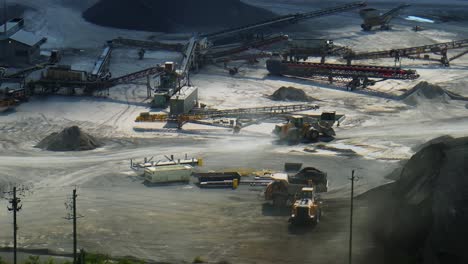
[423,215]
[292,94]
[70,139]
[425,91]
[174,15]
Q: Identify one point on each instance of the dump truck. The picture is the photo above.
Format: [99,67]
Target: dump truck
[286,186]
[307,207]
[298,129]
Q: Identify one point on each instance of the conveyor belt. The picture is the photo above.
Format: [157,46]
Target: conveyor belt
[308,69]
[137,75]
[286,19]
[251,45]
[256,110]
[148,44]
[393,13]
[103,61]
[188,56]
[408,52]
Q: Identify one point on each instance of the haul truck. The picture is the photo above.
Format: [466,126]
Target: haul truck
[284,188]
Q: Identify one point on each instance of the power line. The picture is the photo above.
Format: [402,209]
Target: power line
[353,179]
[15,207]
[70,205]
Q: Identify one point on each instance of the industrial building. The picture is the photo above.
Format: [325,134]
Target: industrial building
[18,46]
[184,100]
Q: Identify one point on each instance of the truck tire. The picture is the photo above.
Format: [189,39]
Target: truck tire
[317,218]
[279,201]
[313,134]
[293,136]
[366,27]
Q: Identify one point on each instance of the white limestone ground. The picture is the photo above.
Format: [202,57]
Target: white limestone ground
[123,217]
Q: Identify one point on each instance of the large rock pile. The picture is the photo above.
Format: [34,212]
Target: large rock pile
[292,94]
[423,216]
[70,139]
[174,15]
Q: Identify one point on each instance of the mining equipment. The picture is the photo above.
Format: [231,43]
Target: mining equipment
[373,18]
[141,53]
[355,75]
[54,78]
[297,129]
[416,53]
[55,56]
[307,207]
[417,28]
[230,179]
[286,186]
[302,49]
[258,29]
[101,66]
[168,174]
[12,93]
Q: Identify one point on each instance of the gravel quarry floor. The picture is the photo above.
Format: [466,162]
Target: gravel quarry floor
[177,223]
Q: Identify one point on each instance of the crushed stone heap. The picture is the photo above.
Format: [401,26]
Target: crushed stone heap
[425,212]
[70,139]
[174,15]
[292,94]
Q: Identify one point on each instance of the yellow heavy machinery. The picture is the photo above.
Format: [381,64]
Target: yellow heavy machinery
[297,129]
[285,186]
[307,208]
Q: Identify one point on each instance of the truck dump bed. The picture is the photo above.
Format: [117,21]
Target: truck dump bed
[318,178]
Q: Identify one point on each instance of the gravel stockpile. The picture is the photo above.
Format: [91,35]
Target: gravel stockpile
[291,94]
[70,139]
[423,215]
[174,15]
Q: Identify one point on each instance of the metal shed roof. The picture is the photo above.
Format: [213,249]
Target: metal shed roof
[26,38]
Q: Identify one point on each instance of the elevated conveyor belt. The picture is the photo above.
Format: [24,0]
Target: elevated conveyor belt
[101,65]
[393,13]
[308,69]
[189,56]
[256,110]
[148,44]
[439,48]
[251,45]
[286,19]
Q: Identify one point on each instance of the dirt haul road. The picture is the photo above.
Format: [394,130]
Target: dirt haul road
[175,223]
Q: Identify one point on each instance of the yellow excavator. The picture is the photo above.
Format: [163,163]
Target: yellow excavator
[297,129]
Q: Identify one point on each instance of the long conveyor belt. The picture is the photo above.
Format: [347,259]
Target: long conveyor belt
[309,69]
[411,52]
[286,19]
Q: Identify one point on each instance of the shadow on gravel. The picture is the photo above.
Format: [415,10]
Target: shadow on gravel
[270,210]
[301,229]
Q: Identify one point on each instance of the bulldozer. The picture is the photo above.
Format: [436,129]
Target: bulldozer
[297,129]
[286,186]
[307,208]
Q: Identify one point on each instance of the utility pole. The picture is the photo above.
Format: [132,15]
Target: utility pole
[353,179]
[72,216]
[15,207]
